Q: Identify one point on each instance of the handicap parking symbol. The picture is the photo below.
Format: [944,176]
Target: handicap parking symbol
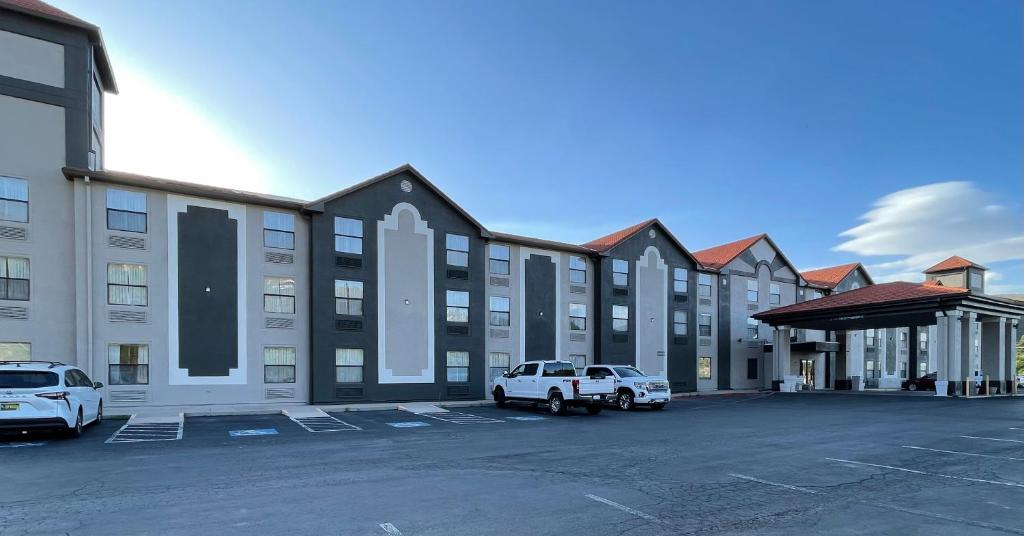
[408,424]
[256,432]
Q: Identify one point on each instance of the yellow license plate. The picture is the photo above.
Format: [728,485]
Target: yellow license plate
[9,407]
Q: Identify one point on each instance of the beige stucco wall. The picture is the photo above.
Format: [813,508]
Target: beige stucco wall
[31,59]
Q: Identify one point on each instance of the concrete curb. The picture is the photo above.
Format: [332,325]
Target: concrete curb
[227,411]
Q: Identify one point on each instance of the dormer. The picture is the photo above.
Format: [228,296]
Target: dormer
[958,272]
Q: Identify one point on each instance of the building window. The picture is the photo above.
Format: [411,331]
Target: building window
[14,278]
[704,285]
[922,338]
[278,364]
[348,297]
[126,284]
[126,211]
[498,363]
[869,337]
[620,273]
[577,270]
[348,365]
[499,311]
[752,290]
[13,199]
[458,306]
[774,294]
[815,294]
[679,323]
[498,259]
[680,277]
[620,318]
[903,340]
[458,249]
[458,366]
[15,351]
[752,368]
[579,362]
[903,369]
[279,295]
[922,368]
[578,316]
[976,280]
[128,364]
[278,230]
[348,235]
[704,368]
[704,325]
[752,328]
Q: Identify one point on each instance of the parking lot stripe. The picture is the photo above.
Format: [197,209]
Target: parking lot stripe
[944,517]
[390,529]
[965,453]
[925,473]
[776,484]
[992,439]
[460,418]
[326,423]
[624,508]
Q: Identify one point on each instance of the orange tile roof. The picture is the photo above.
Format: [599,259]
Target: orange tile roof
[955,262]
[42,8]
[719,256]
[881,293]
[829,277]
[609,241]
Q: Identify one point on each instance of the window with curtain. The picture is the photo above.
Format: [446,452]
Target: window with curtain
[704,325]
[14,278]
[279,295]
[126,211]
[278,230]
[577,316]
[126,284]
[278,364]
[497,364]
[128,364]
[579,362]
[680,278]
[457,249]
[620,318]
[348,297]
[458,366]
[620,273]
[498,258]
[13,199]
[577,270]
[679,322]
[348,235]
[458,306]
[752,328]
[704,368]
[704,285]
[499,311]
[348,365]
[15,351]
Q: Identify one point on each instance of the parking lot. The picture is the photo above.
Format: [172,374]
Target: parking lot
[742,464]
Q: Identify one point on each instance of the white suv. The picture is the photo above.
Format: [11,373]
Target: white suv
[44,395]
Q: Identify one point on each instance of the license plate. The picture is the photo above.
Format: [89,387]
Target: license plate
[9,407]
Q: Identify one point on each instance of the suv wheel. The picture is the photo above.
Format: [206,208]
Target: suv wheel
[624,400]
[79,425]
[912,387]
[556,405]
[499,397]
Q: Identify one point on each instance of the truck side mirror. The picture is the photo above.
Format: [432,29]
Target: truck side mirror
[506,374]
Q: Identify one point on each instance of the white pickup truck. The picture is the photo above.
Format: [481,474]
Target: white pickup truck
[554,382]
[633,387]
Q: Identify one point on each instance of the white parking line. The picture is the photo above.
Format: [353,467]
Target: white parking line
[135,431]
[776,484]
[390,529]
[324,424]
[965,453]
[624,508]
[925,473]
[459,418]
[992,439]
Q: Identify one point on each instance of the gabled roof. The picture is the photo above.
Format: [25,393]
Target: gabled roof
[36,8]
[717,257]
[882,293]
[608,242]
[830,277]
[955,262]
[318,205]
[541,243]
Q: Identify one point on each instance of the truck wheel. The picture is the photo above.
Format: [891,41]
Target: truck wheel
[658,405]
[499,397]
[625,400]
[594,409]
[556,405]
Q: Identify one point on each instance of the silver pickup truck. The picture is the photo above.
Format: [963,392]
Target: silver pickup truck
[554,382]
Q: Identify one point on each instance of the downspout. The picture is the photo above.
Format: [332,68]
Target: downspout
[88,277]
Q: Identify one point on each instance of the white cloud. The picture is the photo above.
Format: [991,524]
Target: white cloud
[927,224]
[153,131]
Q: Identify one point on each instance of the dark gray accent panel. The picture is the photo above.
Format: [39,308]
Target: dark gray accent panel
[541,314]
[749,258]
[725,334]
[777,263]
[207,292]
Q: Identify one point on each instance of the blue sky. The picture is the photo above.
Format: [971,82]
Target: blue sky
[886,132]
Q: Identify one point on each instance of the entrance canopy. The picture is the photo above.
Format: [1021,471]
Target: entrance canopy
[886,305]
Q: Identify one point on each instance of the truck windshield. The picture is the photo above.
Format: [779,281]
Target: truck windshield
[628,372]
[559,369]
[26,379]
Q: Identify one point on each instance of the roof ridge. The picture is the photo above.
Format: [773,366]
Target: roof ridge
[610,240]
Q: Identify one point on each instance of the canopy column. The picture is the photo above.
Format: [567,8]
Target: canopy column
[1010,357]
[947,351]
[993,354]
[781,357]
[855,359]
